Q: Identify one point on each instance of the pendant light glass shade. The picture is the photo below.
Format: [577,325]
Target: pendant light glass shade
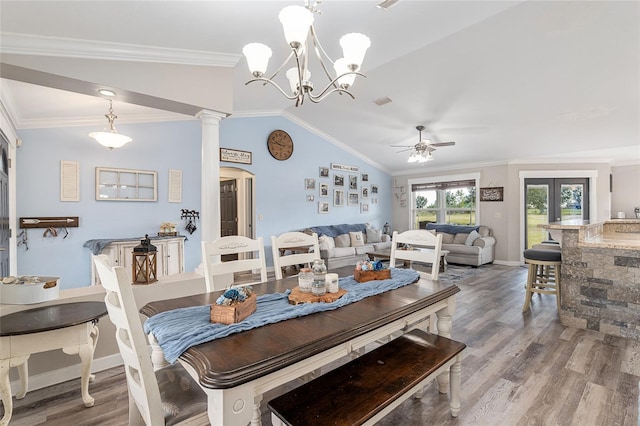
[110,136]
[257,55]
[296,21]
[354,46]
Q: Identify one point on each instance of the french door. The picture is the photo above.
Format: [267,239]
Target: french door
[553,200]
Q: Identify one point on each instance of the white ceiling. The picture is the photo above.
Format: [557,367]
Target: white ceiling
[508,81]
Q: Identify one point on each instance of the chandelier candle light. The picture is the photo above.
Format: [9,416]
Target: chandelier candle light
[297,22]
[110,136]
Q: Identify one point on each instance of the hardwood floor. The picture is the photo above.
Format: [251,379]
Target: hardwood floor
[518,369]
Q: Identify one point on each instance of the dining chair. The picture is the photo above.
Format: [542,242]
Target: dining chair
[304,249]
[164,397]
[419,245]
[219,275]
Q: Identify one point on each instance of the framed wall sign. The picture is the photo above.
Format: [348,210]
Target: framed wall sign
[235,156]
[494,193]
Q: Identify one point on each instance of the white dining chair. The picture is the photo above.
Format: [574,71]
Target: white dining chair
[164,397]
[425,247]
[218,274]
[304,249]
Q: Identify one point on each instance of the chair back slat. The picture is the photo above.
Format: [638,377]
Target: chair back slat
[218,274]
[293,240]
[425,248]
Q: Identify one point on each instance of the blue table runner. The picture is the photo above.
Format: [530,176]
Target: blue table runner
[179,329]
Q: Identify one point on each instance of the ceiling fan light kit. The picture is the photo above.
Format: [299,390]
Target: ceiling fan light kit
[422,151]
[110,136]
[297,22]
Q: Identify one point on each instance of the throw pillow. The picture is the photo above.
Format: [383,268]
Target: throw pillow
[460,238]
[374,235]
[357,240]
[342,240]
[446,238]
[474,235]
[326,242]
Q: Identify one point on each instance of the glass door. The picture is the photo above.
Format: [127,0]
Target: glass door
[553,200]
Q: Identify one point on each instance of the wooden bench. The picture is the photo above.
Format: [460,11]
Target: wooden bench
[366,389]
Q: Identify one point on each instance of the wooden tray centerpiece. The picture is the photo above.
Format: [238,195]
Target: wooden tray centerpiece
[369,271]
[297,296]
[236,304]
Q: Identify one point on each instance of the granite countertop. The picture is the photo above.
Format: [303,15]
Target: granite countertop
[625,241]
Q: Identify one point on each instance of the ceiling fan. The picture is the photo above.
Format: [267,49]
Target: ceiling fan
[421,152]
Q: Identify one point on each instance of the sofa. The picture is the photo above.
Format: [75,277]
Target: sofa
[346,244]
[467,245]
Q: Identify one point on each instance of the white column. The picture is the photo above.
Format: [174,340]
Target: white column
[210,177]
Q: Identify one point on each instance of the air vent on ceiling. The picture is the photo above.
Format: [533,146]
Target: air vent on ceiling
[386,4]
[382,101]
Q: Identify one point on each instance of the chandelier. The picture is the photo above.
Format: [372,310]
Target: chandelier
[297,22]
[110,136]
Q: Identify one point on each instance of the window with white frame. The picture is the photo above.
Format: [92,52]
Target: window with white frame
[451,202]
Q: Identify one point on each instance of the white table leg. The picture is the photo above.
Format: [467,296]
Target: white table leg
[85,351]
[5,392]
[23,374]
[454,397]
[444,329]
[157,356]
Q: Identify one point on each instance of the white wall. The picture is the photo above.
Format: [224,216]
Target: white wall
[626,190]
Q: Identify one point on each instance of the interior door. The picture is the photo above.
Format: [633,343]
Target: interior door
[228,211]
[5,232]
[553,200]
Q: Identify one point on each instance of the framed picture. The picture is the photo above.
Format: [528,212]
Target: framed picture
[494,193]
[338,180]
[324,172]
[374,189]
[310,184]
[311,198]
[364,208]
[353,199]
[323,207]
[338,198]
[364,177]
[324,190]
[374,201]
[235,156]
[353,182]
[365,192]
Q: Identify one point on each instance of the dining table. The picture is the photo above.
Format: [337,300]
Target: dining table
[236,370]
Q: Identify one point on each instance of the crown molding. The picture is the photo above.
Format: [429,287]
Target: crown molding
[29,44]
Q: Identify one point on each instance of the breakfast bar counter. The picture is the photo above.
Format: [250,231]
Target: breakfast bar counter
[600,287]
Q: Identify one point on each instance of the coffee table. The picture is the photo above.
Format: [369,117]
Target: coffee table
[386,255]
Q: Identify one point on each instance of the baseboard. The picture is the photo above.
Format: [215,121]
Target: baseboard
[65,374]
[507,262]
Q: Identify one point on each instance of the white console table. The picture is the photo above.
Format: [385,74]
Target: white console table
[170,254]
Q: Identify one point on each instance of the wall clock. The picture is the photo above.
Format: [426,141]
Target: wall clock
[280,145]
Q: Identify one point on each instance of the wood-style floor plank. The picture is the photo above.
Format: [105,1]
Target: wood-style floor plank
[518,369]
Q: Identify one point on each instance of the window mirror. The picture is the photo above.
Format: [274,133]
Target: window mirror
[126,185]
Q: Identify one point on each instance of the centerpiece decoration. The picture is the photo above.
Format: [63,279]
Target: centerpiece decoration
[370,270]
[234,305]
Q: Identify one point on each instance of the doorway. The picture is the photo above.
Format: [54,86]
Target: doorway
[237,201]
[552,200]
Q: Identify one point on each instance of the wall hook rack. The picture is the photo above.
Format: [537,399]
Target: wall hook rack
[49,222]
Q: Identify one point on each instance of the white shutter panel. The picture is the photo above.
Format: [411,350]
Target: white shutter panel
[69,180]
[175,186]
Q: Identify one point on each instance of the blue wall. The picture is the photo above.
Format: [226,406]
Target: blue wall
[281,197]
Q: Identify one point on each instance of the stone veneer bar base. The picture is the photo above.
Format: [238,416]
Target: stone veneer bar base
[600,285]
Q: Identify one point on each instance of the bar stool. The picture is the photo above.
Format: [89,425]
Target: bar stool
[544,273]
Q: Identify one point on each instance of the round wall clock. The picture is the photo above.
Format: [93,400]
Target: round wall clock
[280,145]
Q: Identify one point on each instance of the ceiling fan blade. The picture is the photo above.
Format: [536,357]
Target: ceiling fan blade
[403,150]
[442,144]
[401,146]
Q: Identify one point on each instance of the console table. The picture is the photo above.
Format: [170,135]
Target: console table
[69,326]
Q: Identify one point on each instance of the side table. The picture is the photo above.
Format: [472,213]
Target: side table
[69,326]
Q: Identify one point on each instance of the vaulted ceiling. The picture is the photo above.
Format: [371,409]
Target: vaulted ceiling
[508,81]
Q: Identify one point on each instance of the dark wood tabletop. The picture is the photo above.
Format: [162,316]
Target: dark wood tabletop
[242,357]
[51,317]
